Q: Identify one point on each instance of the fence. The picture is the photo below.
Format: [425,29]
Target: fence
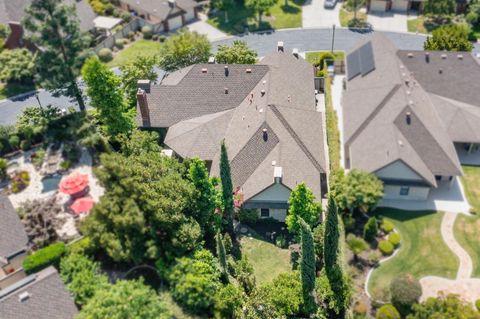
[134,25]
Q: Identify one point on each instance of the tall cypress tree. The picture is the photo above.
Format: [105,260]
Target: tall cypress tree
[331,236]
[222,256]
[307,267]
[227,191]
[55,29]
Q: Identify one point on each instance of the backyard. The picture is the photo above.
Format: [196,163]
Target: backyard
[470,181]
[423,251]
[134,50]
[267,259]
[466,233]
[280,16]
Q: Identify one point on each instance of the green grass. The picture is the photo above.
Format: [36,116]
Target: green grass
[278,17]
[134,50]
[423,251]
[471,184]
[333,133]
[268,260]
[421,25]
[346,16]
[313,56]
[12,89]
[467,234]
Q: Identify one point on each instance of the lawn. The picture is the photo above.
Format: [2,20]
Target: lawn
[423,251]
[134,50]
[346,16]
[7,90]
[467,234]
[267,259]
[421,25]
[471,184]
[313,56]
[278,17]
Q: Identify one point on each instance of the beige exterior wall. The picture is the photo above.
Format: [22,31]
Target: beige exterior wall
[378,6]
[414,192]
[398,170]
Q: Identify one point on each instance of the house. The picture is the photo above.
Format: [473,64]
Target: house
[40,296]
[266,114]
[417,108]
[405,6]
[165,15]
[13,243]
[12,12]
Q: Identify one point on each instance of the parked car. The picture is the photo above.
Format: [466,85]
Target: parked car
[330,4]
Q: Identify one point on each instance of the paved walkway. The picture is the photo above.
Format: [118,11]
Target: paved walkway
[314,15]
[203,27]
[468,288]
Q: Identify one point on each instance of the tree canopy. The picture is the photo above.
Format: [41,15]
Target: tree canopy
[142,68]
[238,53]
[182,49]
[17,65]
[439,7]
[449,38]
[307,268]
[302,204]
[450,306]
[54,27]
[259,7]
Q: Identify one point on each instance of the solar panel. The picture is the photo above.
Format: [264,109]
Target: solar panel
[367,62]
[353,64]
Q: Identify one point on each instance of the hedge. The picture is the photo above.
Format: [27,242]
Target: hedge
[385,247]
[333,134]
[394,239]
[44,257]
[387,226]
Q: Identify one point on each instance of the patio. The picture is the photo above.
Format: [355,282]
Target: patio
[468,158]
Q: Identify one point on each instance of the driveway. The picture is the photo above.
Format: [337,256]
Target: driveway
[314,15]
[388,21]
[203,27]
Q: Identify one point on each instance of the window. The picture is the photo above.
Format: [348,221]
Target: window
[404,190]
[264,212]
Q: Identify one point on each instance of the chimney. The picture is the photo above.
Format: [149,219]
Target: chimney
[277,174]
[280,46]
[143,106]
[262,92]
[226,90]
[265,134]
[427,57]
[171,3]
[211,60]
[444,56]
[23,296]
[295,52]
[226,70]
[460,56]
[144,85]
[410,54]
[408,117]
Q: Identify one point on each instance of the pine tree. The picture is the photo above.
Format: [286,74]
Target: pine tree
[222,256]
[331,236]
[55,29]
[307,267]
[227,191]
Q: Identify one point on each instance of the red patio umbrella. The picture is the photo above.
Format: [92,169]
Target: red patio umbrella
[73,183]
[82,205]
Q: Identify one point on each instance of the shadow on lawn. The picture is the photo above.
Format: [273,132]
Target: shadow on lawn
[401,215]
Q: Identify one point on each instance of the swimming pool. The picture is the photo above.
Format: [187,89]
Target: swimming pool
[50,183]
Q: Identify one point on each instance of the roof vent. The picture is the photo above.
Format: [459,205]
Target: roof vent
[440,70]
[264,82]
[171,3]
[204,70]
[265,134]
[400,143]
[226,90]
[460,56]
[410,54]
[23,296]
[277,174]
[226,70]
[211,60]
[274,163]
[444,56]
[262,92]
[427,57]
[408,118]
[280,46]
[410,103]
[166,153]
[408,92]
[248,71]
[295,52]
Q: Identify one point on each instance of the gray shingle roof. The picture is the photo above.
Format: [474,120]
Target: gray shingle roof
[14,10]
[161,8]
[376,131]
[48,299]
[277,95]
[12,233]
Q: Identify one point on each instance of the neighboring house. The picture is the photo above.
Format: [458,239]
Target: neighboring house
[40,296]
[403,112]
[13,243]
[266,113]
[12,12]
[405,6]
[165,15]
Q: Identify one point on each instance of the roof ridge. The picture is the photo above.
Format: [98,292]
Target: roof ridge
[372,115]
[296,138]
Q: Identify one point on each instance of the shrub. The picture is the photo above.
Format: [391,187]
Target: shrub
[370,230]
[394,239]
[320,61]
[38,157]
[131,35]
[359,308]
[473,211]
[477,304]
[227,243]
[14,141]
[25,145]
[248,216]
[374,258]
[82,247]
[281,241]
[348,223]
[227,300]
[356,244]
[42,258]
[387,312]
[162,38]
[65,165]
[385,247]
[155,37]
[119,43]
[405,291]
[3,168]
[387,226]
[19,182]
[147,32]
[105,55]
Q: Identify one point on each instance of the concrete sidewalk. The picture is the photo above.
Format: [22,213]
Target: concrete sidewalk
[314,15]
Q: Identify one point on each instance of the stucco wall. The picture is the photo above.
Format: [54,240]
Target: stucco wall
[398,170]
[276,193]
[414,193]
